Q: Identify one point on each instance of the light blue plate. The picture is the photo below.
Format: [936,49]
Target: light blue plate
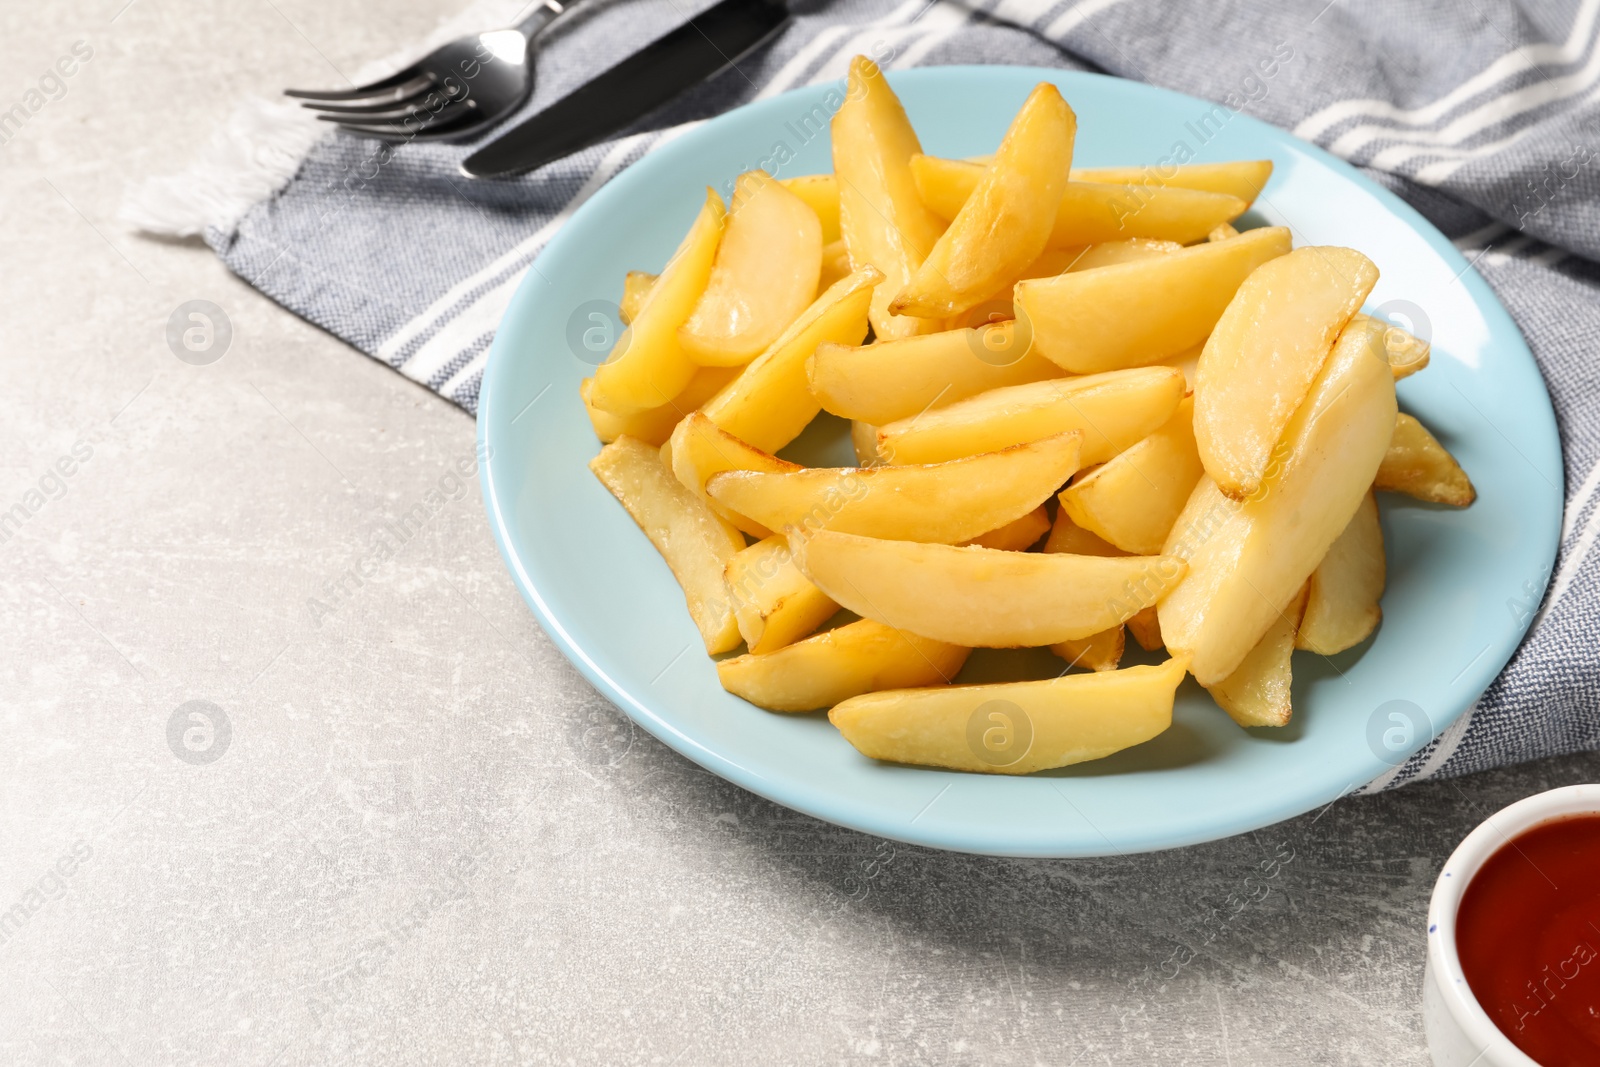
[1456,578]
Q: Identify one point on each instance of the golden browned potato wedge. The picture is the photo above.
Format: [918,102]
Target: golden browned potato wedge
[891,380]
[1264,354]
[1053,261]
[1342,606]
[1089,212]
[821,194]
[764,275]
[1133,499]
[774,604]
[635,287]
[1113,410]
[1019,535]
[1257,692]
[699,448]
[941,502]
[864,440]
[1418,465]
[655,425]
[859,657]
[882,219]
[1098,652]
[1144,311]
[1068,536]
[694,541]
[1016,727]
[978,597]
[770,403]
[647,366]
[1243,179]
[835,264]
[1247,561]
[1146,629]
[1004,224]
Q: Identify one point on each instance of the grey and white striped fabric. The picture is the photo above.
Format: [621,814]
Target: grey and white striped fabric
[1482,115]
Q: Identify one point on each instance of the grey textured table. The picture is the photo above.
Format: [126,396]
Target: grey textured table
[428,840]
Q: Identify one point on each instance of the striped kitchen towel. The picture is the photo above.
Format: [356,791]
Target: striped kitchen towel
[1481,115]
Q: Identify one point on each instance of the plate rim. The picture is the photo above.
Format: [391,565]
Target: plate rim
[832,807]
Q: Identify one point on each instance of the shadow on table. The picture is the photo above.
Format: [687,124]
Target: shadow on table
[1312,905]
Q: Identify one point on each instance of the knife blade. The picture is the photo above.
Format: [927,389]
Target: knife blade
[714,39]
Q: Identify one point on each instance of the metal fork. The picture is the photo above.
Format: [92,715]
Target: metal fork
[455,92]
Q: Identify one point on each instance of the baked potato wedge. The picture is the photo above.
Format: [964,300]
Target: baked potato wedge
[1112,410]
[835,665]
[1417,465]
[1247,561]
[1143,311]
[647,366]
[1006,220]
[773,603]
[765,273]
[881,218]
[1342,607]
[696,543]
[939,502]
[980,597]
[1265,352]
[1013,727]
[1133,499]
[770,403]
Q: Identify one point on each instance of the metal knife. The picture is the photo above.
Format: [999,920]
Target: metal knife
[714,39]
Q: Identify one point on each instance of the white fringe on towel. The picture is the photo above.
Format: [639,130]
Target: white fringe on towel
[262,144]
[255,153]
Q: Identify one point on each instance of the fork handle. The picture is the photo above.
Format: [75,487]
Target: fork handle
[543,15]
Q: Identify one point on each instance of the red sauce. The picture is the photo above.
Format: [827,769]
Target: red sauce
[1528,932]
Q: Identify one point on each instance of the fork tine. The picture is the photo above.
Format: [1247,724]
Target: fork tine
[390,90]
[418,116]
[453,120]
[377,108]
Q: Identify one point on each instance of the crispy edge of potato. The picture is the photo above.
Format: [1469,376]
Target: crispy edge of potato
[665,510]
[1419,466]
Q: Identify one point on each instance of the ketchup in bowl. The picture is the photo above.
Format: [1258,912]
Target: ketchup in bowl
[1528,934]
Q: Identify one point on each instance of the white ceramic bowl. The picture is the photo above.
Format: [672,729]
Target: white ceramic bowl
[1460,1032]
